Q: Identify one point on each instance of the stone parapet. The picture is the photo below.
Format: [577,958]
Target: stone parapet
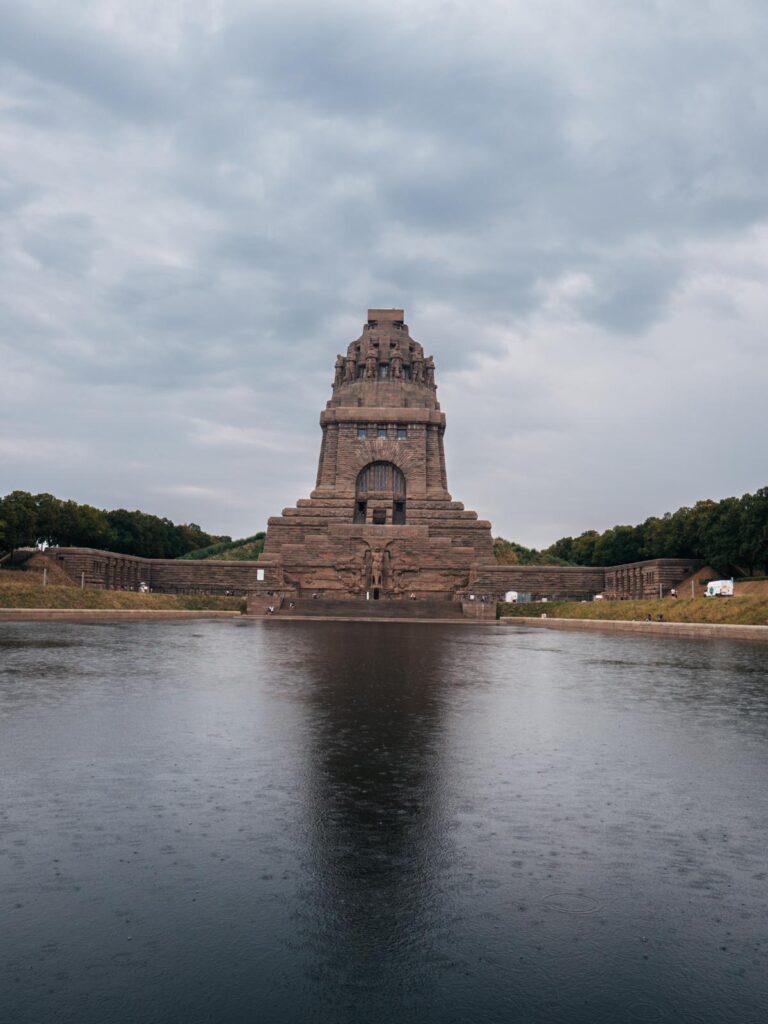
[112,571]
[550,581]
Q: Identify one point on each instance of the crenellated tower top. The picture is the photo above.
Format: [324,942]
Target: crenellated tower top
[384,366]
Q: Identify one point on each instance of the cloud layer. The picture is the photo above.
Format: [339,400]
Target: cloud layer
[198,204]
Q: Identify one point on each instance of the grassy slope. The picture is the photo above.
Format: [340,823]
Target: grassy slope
[24,590]
[243,552]
[247,548]
[746,611]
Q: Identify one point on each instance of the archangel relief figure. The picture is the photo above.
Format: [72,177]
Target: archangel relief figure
[429,372]
[338,376]
[396,362]
[349,370]
[370,366]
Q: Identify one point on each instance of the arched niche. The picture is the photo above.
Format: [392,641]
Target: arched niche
[380,495]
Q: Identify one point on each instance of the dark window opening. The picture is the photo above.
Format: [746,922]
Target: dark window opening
[398,513]
[383,371]
[381,430]
[360,372]
[362,431]
[379,517]
[402,433]
[375,593]
[406,373]
[360,510]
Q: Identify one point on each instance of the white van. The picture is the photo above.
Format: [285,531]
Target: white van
[719,588]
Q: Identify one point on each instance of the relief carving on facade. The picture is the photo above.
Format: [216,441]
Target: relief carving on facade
[377,568]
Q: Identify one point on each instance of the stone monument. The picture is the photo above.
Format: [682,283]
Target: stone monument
[380,523]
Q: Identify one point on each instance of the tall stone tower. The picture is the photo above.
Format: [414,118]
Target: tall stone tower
[380,522]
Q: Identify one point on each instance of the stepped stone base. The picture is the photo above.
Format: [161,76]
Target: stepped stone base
[357,609]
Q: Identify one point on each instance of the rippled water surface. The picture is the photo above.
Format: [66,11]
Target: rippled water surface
[362,822]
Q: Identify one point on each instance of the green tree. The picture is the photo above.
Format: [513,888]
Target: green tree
[583,548]
[19,513]
[619,545]
[720,535]
[753,540]
[562,549]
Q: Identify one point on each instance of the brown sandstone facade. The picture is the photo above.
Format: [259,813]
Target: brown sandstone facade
[380,521]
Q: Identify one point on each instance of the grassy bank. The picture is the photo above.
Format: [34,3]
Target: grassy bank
[245,549]
[22,590]
[744,611]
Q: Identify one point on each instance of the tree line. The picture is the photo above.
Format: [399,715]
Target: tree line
[731,535]
[30,519]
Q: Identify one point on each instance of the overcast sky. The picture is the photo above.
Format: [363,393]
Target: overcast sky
[200,200]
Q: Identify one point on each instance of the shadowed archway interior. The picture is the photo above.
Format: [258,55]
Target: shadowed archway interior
[381,482]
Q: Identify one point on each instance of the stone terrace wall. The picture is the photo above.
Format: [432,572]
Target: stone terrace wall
[644,579]
[549,581]
[111,571]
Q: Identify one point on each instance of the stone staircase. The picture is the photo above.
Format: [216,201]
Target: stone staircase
[362,609]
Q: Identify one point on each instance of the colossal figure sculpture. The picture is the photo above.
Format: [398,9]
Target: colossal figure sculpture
[380,520]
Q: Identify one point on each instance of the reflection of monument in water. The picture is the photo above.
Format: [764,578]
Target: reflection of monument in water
[375,750]
[380,520]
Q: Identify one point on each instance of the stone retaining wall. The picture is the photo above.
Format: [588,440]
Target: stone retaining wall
[110,571]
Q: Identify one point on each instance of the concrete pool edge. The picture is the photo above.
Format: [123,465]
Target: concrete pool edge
[110,614]
[709,630]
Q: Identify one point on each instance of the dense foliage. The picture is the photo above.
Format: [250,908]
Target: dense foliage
[28,519]
[731,535]
[244,549]
[507,552]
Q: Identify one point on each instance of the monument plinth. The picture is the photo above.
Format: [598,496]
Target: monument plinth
[380,521]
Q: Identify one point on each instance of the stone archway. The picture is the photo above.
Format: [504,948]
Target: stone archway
[380,494]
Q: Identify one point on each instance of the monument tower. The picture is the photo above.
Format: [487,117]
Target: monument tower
[380,522]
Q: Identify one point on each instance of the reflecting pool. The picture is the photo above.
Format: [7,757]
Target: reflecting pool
[370,822]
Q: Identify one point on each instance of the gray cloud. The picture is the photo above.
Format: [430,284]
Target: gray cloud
[198,204]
